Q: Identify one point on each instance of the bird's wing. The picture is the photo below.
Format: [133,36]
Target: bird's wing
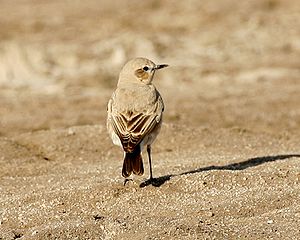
[131,127]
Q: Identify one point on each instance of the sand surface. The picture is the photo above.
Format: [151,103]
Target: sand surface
[227,161]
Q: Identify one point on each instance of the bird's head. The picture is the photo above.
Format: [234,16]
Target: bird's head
[139,70]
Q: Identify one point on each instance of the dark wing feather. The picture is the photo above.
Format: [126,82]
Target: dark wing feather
[132,127]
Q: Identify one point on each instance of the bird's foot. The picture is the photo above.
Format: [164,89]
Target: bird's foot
[150,181]
[127,180]
[156,182]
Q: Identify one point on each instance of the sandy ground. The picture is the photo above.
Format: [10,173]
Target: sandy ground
[227,159]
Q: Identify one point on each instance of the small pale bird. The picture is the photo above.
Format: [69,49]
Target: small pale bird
[135,114]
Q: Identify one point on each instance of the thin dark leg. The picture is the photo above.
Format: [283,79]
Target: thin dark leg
[151,180]
[149,157]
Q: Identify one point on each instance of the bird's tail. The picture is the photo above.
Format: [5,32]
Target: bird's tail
[133,163]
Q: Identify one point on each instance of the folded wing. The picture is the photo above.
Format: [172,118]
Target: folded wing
[131,127]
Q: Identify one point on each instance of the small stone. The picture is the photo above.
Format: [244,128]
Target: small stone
[71,131]
[210,214]
[270,221]
[98,217]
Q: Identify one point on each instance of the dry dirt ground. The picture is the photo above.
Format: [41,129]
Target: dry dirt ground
[227,161]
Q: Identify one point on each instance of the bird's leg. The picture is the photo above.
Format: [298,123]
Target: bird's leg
[127,180]
[149,157]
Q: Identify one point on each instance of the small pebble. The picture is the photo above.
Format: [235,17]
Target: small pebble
[71,131]
[210,214]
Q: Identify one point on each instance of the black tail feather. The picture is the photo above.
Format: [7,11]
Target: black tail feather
[133,163]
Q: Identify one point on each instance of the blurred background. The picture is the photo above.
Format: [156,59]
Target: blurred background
[233,64]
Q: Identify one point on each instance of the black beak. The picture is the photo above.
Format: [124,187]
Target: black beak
[161,66]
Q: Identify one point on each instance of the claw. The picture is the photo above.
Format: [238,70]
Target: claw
[127,180]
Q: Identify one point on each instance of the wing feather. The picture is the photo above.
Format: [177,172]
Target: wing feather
[131,127]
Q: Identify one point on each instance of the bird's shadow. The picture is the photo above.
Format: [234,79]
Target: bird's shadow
[252,162]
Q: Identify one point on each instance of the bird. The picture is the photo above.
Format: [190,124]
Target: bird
[134,114]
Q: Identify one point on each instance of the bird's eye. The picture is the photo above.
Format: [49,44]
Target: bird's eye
[145,68]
